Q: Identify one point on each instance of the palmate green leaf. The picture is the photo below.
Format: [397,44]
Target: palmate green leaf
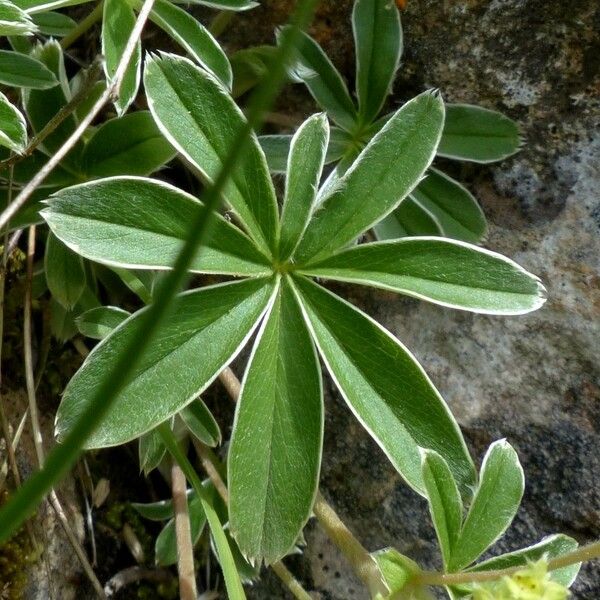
[98,322]
[313,67]
[200,119]
[65,275]
[275,451]
[445,503]
[378,41]
[452,206]
[54,23]
[193,37]
[386,171]
[151,451]
[141,223]
[14,20]
[384,386]
[19,70]
[550,547]
[409,219]
[201,423]
[203,332]
[129,145]
[478,134]
[165,546]
[13,128]
[305,165]
[496,501]
[447,272]
[117,24]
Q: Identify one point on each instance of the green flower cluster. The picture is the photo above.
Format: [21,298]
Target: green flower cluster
[532,583]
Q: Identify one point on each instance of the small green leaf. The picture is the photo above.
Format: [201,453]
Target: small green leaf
[407,144]
[54,23]
[409,219]
[141,223]
[33,7]
[384,386]
[157,511]
[98,322]
[378,41]
[64,273]
[453,207]
[117,24]
[20,70]
[313,68]
[446,272]
[397,570]
[14,20]
[305,165]
[42,105]
[213,322]
[445,504]
[193,37]
[165,547]
[135,281]
[494,505]
[249,66]
[478,134]
[275,451]
[201,120]
[13,128]
[129,145]
[151,451]
[550,547]
[201,423]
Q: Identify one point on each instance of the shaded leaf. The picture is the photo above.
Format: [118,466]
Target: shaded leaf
[478,134]
[151,451]
[201,423]
[129,145]
[409,219]
[54,23]
[378,41]
[453,206]
[98,322]
[65,275]
[20,70]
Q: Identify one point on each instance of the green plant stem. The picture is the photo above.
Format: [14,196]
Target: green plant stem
[64,456]
[362,563]
[585,553]
[91,78]
[83,26]
[292,584]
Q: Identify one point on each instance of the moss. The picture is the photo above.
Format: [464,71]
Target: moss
[15,556]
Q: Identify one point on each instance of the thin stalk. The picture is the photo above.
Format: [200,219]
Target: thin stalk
[110,93]
[35,422]
[91,78]
[585,553]
[83,26]
[183,535]
[292,584]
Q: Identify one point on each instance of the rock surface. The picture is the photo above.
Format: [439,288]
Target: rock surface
[532,379]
